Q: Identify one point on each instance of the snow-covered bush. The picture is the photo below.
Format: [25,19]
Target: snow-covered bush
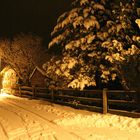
[95,36]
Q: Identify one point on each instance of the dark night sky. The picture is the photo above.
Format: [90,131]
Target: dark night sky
[35,16]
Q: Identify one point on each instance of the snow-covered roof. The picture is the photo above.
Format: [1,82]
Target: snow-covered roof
[38,69]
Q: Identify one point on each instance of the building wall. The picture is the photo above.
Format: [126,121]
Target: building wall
[37,79]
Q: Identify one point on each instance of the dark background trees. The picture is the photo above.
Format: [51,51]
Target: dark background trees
[23,53]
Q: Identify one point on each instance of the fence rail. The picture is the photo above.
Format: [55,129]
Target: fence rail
[104,101]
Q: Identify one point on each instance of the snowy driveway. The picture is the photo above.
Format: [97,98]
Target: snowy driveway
[25,119]
[19,120]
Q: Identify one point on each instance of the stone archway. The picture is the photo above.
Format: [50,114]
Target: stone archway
[8,80]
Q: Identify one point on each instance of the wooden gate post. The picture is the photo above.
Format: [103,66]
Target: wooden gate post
[105,100]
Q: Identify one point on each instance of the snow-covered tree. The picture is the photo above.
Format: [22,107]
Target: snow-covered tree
[22,53]
[94,37]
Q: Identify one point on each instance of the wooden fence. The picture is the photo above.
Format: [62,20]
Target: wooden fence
[104,101]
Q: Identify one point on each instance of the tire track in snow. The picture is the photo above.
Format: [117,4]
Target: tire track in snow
[17,114]
[3,129]
[50,123]
[49,135]
[26,122]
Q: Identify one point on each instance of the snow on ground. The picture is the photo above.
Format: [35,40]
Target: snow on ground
[26,119]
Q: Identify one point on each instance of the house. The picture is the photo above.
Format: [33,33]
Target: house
[38,78]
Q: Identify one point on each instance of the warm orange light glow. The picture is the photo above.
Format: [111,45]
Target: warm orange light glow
[3,96]
[8,80]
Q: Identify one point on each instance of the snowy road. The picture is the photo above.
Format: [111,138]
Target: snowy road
[21,121]
[25,119]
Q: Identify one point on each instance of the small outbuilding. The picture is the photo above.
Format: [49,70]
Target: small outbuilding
[38,78]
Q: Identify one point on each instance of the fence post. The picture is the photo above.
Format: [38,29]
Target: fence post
[105,105]
[138,99]
[19,89]
[52,93]
[33,91]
